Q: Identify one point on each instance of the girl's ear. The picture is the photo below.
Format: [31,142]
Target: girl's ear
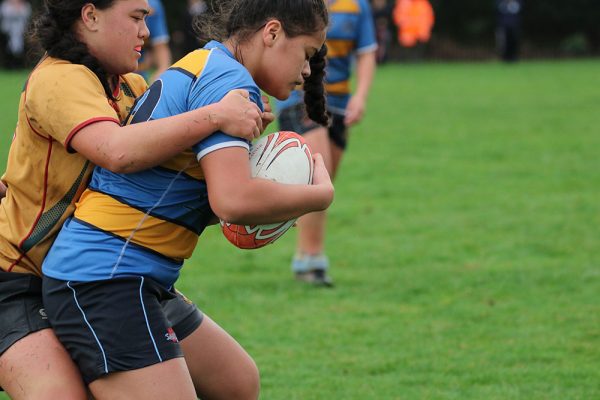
[272,32]
[89,17]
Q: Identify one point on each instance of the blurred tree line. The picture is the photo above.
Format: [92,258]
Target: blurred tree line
[550,27]
[569,27]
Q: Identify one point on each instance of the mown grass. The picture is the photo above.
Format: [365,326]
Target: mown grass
[464,240]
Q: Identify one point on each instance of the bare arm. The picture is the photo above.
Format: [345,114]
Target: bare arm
[365,70]
[238,198]
[131,148]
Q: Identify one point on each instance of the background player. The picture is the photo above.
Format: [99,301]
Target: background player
[351,33]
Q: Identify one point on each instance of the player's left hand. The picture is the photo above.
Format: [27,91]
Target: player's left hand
[267,115]
[354,111]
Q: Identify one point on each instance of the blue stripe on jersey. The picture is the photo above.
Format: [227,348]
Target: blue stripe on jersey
[95,254]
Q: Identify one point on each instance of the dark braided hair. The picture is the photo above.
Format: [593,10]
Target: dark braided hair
[53,32]
[242,18]
[314,92]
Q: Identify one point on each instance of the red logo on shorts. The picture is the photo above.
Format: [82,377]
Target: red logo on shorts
[171,336]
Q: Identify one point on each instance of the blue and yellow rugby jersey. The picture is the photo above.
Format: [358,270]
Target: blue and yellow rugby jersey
[350,32]
[45,177]
[147,223]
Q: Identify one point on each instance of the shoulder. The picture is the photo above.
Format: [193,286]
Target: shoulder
[213,66]
[228,72]
[345,6]
[54,75]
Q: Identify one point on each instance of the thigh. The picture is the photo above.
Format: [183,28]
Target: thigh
[219,366]
[319,142]
[111,325]
[38,367]
[183,314]
[294,119]
[338,139]
[33,363]
[166,380]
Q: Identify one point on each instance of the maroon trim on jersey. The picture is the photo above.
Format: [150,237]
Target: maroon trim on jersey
[17,261]
[117,89]
[116,93]
[82,125]
[33,129]
[39,215]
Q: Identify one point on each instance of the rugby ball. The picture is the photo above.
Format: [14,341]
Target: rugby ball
[283,157]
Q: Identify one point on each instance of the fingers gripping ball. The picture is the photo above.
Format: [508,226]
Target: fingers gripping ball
[283,157]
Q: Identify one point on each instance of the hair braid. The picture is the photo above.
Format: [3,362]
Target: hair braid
[314,90]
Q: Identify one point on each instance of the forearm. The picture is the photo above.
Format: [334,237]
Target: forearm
[365,71]
[135,147]
[263,202]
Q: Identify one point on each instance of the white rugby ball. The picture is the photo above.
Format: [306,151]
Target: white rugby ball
[283,157]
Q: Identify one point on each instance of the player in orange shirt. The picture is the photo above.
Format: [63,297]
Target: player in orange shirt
[70,116]
[414,19]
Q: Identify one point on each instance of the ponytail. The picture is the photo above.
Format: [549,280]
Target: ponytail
[314,90]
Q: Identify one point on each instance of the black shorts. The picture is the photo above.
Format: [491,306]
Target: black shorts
[119,324]
[294,119]
[21,309]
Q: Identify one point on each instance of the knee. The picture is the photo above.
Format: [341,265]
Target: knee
[240,383]
[245,385]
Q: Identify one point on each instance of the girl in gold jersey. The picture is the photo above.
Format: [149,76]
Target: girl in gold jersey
[69,120]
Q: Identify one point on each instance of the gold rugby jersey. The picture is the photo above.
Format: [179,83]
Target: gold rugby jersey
[44,176]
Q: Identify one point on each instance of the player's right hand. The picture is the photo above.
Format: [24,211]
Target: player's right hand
[322,179]
[239,116]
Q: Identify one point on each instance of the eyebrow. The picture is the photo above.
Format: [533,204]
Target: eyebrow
[144,11]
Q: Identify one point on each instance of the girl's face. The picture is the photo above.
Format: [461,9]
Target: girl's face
[117,34]
[285,64]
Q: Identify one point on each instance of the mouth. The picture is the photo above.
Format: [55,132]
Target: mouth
[138,49]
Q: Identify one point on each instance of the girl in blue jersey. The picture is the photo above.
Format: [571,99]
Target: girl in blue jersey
[119,256]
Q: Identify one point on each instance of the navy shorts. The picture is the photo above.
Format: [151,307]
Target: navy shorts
[119,324]
[21,309]
[294,119]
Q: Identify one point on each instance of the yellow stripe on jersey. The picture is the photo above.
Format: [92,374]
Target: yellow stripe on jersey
[338,87]
[345,6]
[156,234]
[339,48]
[194,62]
[187,163]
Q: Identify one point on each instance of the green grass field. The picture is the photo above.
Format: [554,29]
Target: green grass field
[464,240]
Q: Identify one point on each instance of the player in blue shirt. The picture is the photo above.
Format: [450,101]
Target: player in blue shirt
[121,252]
[350,38]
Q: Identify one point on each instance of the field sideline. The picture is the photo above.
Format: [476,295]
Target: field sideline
[464,240]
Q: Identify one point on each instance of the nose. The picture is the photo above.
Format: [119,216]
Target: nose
[144,32]
[306,70]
